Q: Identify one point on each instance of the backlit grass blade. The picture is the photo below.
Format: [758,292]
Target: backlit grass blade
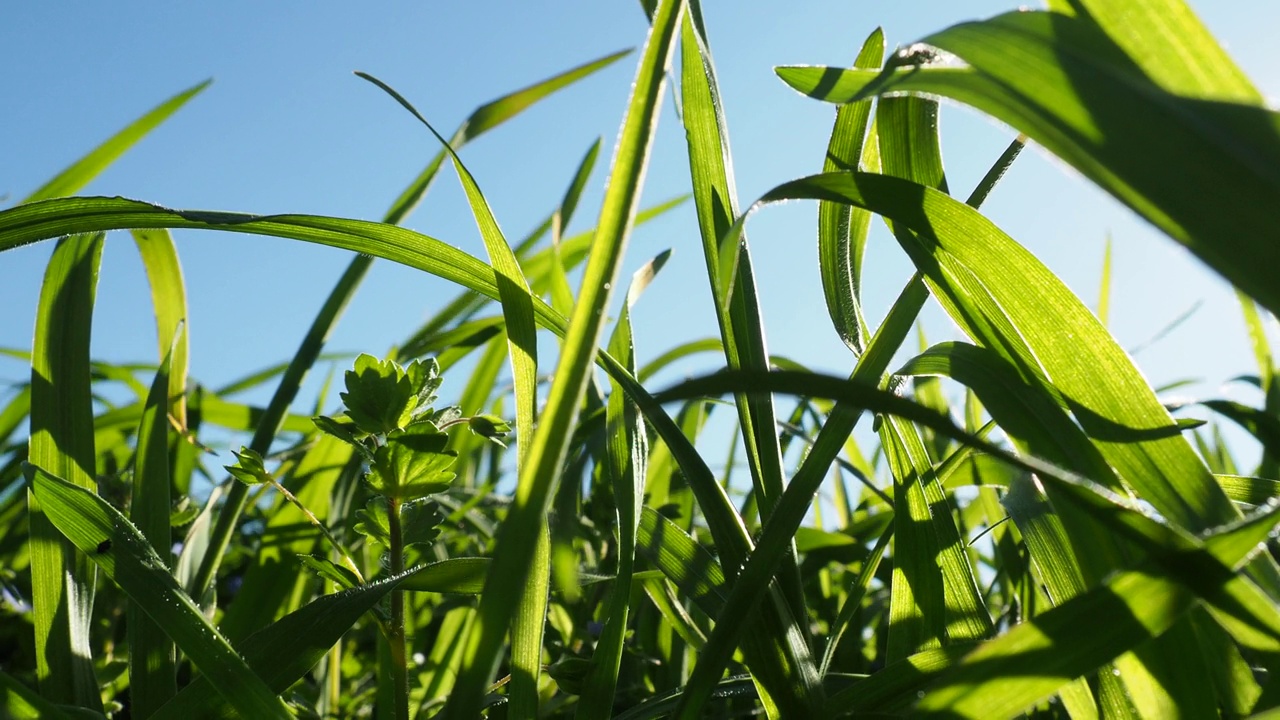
[152,659]
[522,343]
[169,301]
[69,181]
[728,267]
[61,439]
[627,455]
[935,597]
[842,230]
[730,273]
[116,546]
[1169,43]
[1071,89]
[518,535]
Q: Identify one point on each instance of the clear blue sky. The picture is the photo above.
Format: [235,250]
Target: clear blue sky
[287,128]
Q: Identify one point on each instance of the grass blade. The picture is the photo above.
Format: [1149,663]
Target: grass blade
[842,230]
[518,535]
[62,439]
[169,300]
[152,657]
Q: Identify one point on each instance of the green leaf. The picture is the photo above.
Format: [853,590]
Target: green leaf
[381,396]
[249,468]
[412,464]
[129,560]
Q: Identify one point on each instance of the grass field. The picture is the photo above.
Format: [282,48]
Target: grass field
[469,527]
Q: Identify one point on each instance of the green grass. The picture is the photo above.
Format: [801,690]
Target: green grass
[1032,532]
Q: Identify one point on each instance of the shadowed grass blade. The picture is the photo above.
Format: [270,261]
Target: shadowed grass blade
[152,658]
[62,439]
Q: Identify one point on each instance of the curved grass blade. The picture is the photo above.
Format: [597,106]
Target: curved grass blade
[842,230]
[71,180]
[116,546]
[1071,89]
[518,535]
[169,299]
[980,275]
[62,439]
[522,342]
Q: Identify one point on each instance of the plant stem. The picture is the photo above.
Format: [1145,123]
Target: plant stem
[342,551]
[395,634]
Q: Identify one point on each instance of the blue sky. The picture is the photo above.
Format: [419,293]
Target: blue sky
[286,127]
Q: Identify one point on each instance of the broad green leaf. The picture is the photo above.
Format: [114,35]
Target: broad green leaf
[62,440]
[120,550]
[19,702]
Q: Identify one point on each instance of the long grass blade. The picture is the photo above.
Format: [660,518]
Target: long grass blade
[517,538]
[152,657]
[62,439]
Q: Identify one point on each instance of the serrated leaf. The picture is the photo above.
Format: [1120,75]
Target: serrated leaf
[413,463]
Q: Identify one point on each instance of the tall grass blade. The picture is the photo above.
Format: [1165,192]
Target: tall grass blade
[522,343]
[62,439]
[152,658]
[519,533]
[484,118]
[732,281]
